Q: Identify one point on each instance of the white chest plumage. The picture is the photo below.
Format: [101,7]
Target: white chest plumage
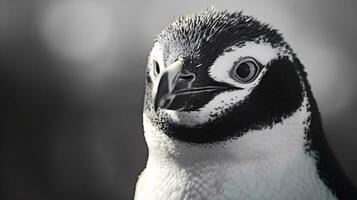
[267,164]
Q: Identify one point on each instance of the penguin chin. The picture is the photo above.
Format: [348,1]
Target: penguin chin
[191,119]
[183,118]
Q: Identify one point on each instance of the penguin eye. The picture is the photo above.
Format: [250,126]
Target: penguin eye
[245,70]
[156,67]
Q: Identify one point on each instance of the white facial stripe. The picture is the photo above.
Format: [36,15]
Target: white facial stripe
[221,68]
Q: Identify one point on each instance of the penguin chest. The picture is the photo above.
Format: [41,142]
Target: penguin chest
[225,181]
[199,182]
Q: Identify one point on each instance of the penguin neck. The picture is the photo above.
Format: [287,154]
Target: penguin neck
[274,159]
[328,167]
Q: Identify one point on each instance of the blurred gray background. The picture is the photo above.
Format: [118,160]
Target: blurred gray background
[72,83]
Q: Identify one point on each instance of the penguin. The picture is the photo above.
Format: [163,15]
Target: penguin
[229,115]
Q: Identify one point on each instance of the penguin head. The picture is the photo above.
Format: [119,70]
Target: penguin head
[215,75]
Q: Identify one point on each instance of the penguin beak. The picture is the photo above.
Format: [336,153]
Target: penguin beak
[175,90]
[163,95]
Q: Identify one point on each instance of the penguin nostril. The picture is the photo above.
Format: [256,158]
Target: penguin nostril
[156,68]
[187,76]
[184,80]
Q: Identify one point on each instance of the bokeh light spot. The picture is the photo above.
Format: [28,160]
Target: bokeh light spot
[78,30]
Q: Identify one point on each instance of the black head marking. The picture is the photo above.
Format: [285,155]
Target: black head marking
[200,38]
